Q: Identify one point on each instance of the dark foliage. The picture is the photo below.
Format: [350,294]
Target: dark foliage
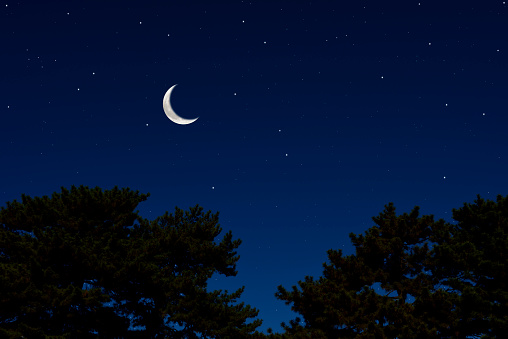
[82,264]
[472,262]
[412,277]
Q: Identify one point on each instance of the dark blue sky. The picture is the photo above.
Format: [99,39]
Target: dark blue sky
[312,115]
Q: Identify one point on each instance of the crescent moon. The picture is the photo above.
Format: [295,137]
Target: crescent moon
[166,105]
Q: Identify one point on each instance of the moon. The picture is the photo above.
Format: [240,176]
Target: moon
[166,105]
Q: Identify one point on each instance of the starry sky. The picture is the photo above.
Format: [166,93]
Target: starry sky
[312,115]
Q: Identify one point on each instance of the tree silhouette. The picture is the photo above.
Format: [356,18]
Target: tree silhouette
[82,263]
[411,277]
[472,261]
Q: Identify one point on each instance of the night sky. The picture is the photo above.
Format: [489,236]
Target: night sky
[312,115]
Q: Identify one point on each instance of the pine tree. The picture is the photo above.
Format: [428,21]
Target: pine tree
[82,263]
[472,261]
[411,277]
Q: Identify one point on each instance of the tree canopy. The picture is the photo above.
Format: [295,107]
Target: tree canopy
[83,263]
[412,277]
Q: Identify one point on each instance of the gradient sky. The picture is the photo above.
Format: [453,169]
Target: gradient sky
[312,115]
